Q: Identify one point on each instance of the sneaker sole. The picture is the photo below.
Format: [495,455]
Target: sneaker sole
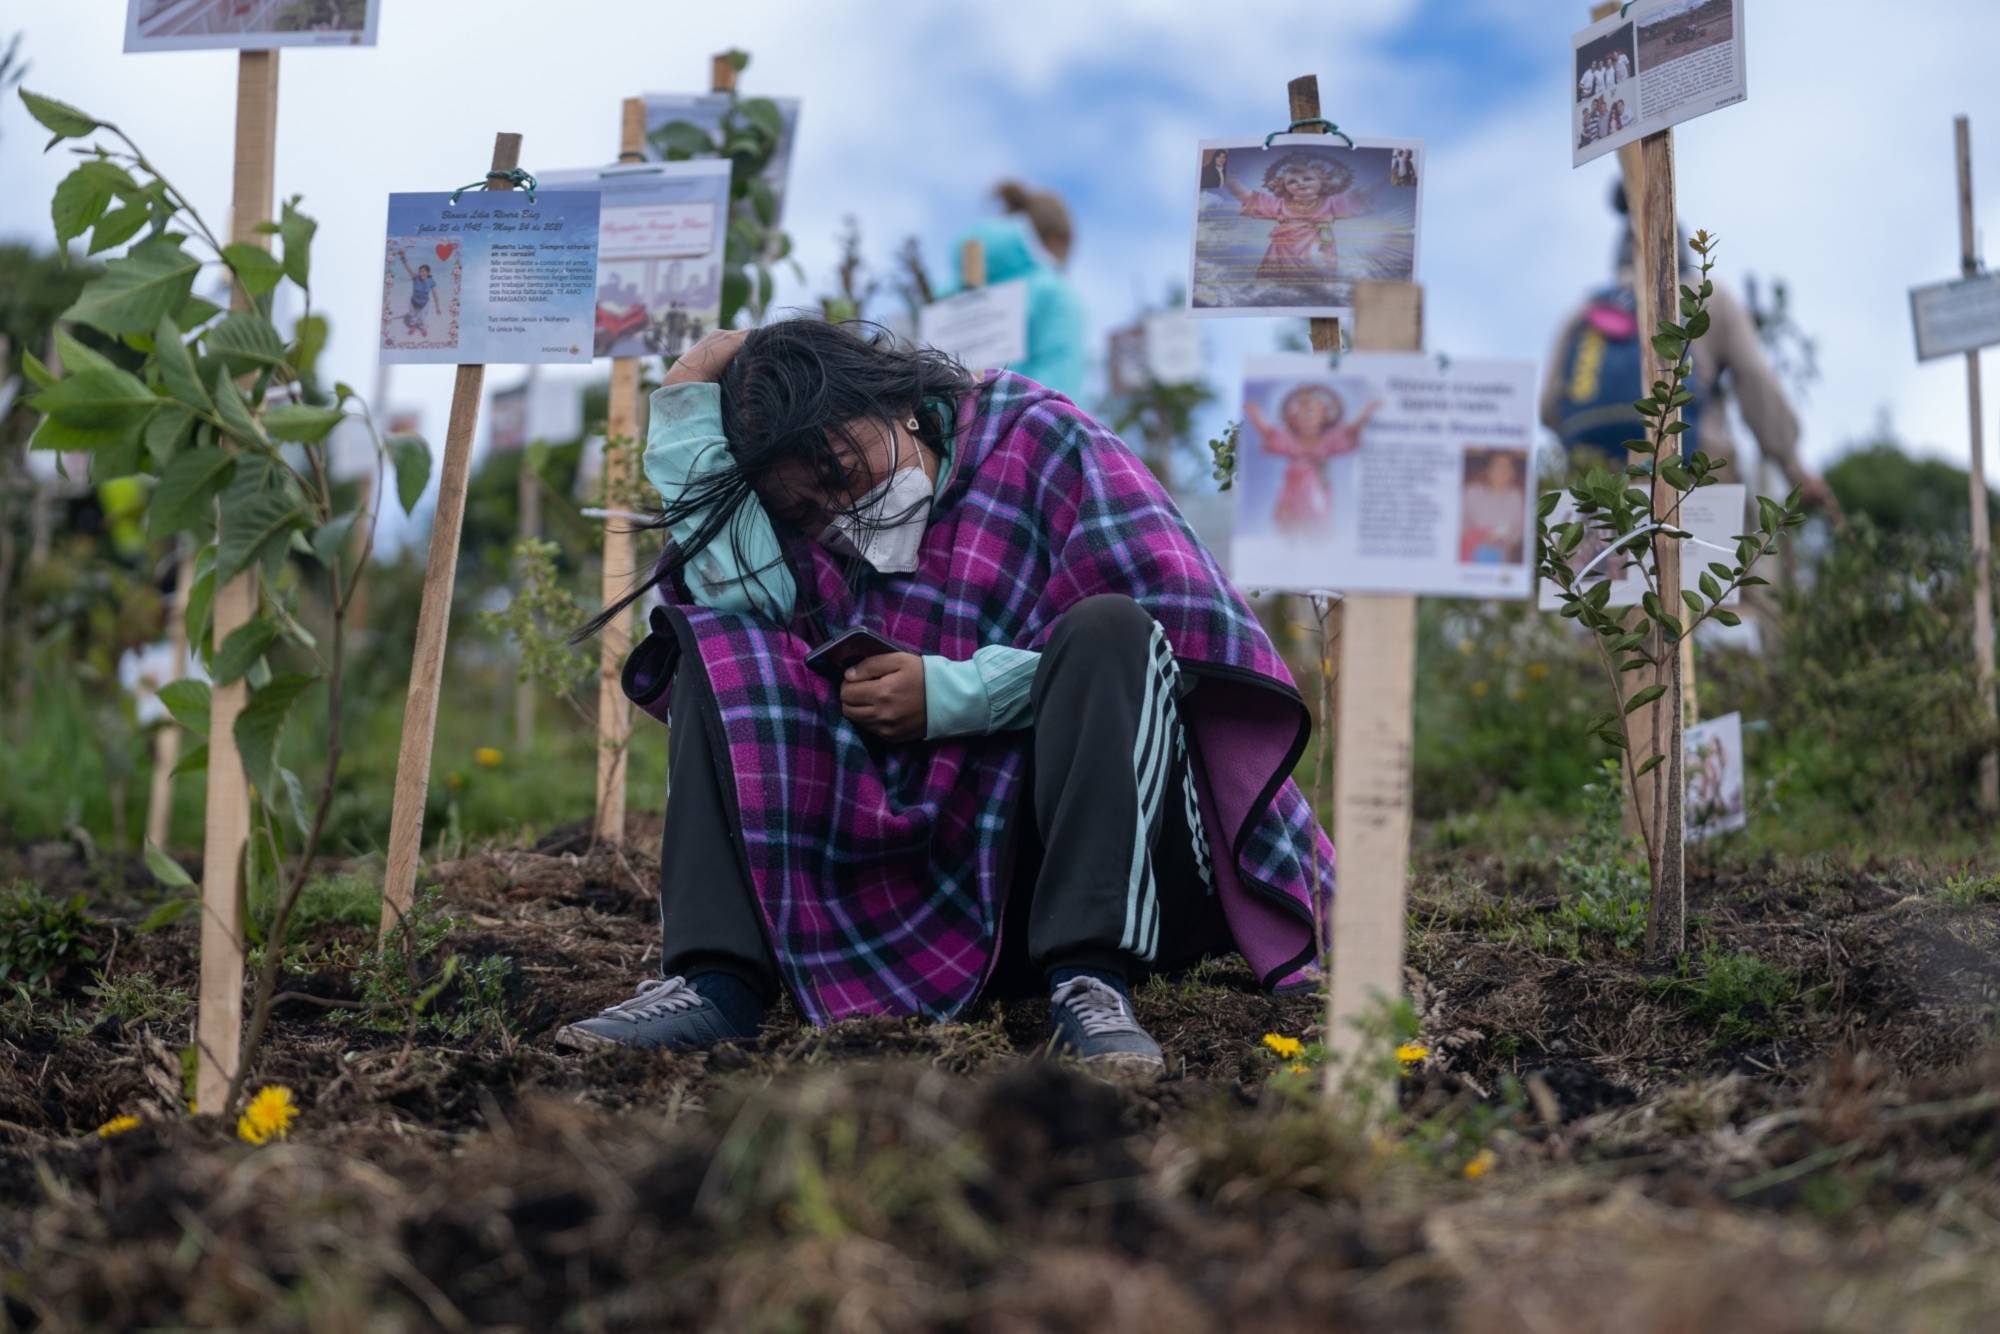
[1121,1065]
[579,1039]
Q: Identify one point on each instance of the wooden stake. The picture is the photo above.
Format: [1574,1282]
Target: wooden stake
[1982,536]
[413,761]
[167,742]
[1657,728]
[1372,738]
[972,265]
[614,710]
[1303,95]
[219,1014]
[528,507]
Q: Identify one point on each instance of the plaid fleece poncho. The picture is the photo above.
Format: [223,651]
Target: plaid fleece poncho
[882,870]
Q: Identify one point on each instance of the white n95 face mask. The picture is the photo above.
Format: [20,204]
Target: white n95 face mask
[890,546]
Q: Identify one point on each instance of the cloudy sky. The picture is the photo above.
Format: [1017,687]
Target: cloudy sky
[1836,175]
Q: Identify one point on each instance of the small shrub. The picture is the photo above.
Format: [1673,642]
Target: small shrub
[1968,889]
[348,898]
[405,977]
[138,998]
[41,938]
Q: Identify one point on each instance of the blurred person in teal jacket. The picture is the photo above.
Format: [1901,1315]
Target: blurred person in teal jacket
[1033,242]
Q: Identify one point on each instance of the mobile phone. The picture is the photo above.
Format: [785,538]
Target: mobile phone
[833,658]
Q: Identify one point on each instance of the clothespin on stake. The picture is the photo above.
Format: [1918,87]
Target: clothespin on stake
[413,761]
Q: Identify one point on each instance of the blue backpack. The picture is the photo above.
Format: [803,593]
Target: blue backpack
[1602,373]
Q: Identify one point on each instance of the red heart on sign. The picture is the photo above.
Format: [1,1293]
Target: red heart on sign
[446,249]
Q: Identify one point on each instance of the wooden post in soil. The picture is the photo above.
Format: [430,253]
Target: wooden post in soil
[528,511]
[1657,728]
[1372,738]
[167,742]
[219,1013]
[413,760]
[1982,536]
[972,265]
[614,710]
[1302,94]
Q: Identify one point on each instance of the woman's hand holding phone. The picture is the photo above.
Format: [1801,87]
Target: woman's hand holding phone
[885,694]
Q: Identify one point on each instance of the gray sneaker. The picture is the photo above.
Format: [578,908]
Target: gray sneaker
[1094,1023]
[667,1014]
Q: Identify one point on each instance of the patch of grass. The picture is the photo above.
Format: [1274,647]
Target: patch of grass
[1968,889]
[1735,994]
[348,898]
[138,998]
[42,938]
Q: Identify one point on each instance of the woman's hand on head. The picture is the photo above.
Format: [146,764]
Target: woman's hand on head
[706,360]
[885,694]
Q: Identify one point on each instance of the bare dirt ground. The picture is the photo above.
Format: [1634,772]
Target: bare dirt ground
[1589,1144]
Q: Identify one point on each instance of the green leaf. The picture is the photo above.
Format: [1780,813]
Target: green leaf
[177,370]
[240,651]
[331,539]
[65,120]
[1668,347]
[80,200]
[1547,504]
[1710,588]
[32,368]
[262,720]
[194,760]
[134,291]
[735,294]
[166,431]
[195,312]
[412,458]
[259,511]
[99,398]
[167,913]
[1693,601]
[309,337]
[166,870]
[1727,617]
[1697,324]
[201,601]
[1650,765]
[1671,625]
[680,139]
[764,114]
[117,227]
[1613,738]
[187,488]
[302,423]
[253,266]
[296,230]
[1641,698]
[189,701]
[247,342]
[738,60]
[235,413]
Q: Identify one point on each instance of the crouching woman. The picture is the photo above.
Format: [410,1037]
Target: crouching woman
[1077,754]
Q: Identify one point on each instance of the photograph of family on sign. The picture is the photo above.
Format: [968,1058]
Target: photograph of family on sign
[1289,229]
[420,292]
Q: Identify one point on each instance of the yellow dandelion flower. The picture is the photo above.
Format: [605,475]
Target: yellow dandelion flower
[486,757]
[117,1125]
[454,780]
[1288,1048]
[1479,689]
[269,1115]
[1482,1163]
[1298,1068]
[1537,671]
[1412,1052]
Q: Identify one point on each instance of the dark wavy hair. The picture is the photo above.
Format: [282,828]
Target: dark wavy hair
[792,397]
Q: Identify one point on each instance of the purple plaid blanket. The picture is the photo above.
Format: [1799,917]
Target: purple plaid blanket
[882,870]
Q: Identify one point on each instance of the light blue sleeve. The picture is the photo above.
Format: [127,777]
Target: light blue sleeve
[992,692]
[683,440]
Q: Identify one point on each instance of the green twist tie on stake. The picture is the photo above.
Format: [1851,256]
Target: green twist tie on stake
[515,178]
[1330,127]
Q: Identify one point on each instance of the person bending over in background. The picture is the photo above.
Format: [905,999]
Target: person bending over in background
[1080,754]
[1032,244]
